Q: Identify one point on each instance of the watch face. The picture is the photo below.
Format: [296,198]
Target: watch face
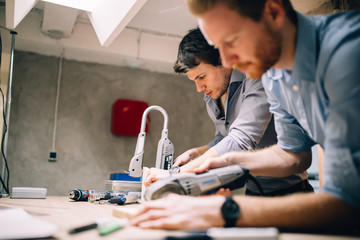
[174,170]
[230,211]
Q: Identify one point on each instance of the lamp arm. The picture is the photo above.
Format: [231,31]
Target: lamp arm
[136,163]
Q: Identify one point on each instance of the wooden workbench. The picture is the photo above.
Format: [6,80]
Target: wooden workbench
[67,214]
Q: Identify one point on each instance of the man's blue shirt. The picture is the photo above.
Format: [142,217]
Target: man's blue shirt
[319,100]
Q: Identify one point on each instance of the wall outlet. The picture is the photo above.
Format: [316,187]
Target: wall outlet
[52,156]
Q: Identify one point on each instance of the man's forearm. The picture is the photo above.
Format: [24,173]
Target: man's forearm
[298,211]
[201,150]
[189,167]
[272,161]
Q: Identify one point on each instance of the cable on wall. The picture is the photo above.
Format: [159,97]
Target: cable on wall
[4,180]
[138,46]
[53,153]
[6,117]
[155,33]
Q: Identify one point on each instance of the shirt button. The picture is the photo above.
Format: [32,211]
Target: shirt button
[303,121]
[295,88]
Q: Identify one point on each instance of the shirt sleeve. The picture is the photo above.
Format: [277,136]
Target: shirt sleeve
[291,136]
[342,131]
[217,139]
[251,122]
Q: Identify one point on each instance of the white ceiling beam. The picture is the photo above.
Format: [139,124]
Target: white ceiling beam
[111,18]
[16,10]
[54,19]
[86,5]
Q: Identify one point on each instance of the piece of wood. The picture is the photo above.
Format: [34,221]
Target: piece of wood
[127,211]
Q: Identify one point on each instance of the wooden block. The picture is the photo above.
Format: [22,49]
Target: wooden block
[126,211]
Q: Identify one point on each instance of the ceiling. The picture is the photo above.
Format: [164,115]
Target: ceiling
[149,40]
[164,16]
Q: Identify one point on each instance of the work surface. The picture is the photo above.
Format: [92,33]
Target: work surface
[67,214]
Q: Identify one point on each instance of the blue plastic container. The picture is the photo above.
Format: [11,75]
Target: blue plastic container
[124,177]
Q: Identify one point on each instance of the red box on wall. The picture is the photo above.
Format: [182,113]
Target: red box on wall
[126,117]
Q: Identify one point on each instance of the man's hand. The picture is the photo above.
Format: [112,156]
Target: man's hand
[222,161]
[155,174]
[268,162]
[180,212]
[302,211]
[223,192]
[185,157]
[189,155]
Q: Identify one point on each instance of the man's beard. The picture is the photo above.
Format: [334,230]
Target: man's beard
[225,85]
[267,53]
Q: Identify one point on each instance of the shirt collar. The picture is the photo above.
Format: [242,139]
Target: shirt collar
[236,79]
[306,49]
[236,76]
[277,74]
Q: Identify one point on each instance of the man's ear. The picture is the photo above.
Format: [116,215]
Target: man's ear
[274,10]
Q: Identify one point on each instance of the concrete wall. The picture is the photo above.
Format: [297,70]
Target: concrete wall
[87,150]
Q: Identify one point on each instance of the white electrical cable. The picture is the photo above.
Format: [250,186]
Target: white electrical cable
[138,46]
[57,99]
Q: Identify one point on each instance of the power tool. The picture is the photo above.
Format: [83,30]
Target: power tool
[79,194]
[165,150]
[230,177]
[92,195]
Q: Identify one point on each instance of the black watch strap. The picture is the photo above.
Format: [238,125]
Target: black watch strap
[230,211]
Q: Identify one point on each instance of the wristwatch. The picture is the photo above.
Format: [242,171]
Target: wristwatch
[230,211]
[174,170]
